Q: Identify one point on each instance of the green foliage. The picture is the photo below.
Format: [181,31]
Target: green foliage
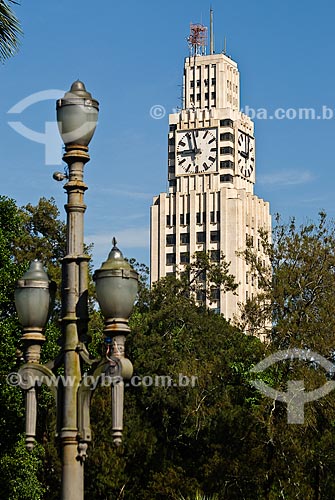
[200,496]
[296,286]
[295,309]
[169,421]
[25,233]
[20,472]
[195,428]
[10,230]
[10,30]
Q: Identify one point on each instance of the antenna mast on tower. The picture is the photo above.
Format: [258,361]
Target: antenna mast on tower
[197,41]
[211,37]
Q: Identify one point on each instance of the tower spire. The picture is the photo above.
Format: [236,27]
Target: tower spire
[211,37]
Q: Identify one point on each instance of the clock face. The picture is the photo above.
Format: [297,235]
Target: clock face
[246,154]
[196,151]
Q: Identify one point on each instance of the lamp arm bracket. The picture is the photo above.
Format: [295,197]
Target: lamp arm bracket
[86,356]
[32,374]
[108,373]
[55,363]
[88,384]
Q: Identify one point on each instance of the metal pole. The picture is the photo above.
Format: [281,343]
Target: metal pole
[211,39]
[74,321]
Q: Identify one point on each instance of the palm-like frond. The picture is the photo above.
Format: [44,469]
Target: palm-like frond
[10,31]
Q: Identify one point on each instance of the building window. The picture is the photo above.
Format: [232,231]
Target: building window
[173,182]
[192,84]
[203,217]
[206,81]
[170,258]
[215,255]
[172,155]
[201,237]
[187,218]
[184,238]
[181,219]
[226,151]
[201,296]
[171,141]
[226,178]
[170,239]
[227,136]
[206,95]
[213,81]
[192,97]
[213,95]
[171,169]
[249,240]
[212,216]
[226,123]
[198,97]
[198,83]
[202,276]
[172,128]
[215,294]
[198,217]
[247,278]
[215,236]
[170,220]
[218,216]
[184,257]
[226,164]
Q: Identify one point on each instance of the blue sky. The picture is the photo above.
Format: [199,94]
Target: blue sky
[130,56]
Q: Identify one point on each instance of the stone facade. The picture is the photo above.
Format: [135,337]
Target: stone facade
[210,205]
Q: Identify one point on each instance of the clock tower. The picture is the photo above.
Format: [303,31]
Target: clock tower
[210,205]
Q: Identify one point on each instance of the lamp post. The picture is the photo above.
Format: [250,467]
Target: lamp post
[116,284]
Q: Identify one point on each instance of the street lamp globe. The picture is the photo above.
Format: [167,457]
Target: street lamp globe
[77,115]
[33,297]
[116,285]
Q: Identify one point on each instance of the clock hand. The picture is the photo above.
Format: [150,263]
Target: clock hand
[247,145]
[194,141]
[187,152]
[196,149]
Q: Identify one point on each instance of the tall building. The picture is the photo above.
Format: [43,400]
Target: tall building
[210,204]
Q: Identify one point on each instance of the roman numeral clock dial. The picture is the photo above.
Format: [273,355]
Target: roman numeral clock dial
[196,151]
[246,154]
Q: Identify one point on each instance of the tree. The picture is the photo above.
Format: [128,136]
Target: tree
[194,424]
[25,233]
[186,421]
[296,285]
[10,30]
[295,309]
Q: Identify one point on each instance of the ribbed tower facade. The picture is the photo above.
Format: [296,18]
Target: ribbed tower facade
[210,204]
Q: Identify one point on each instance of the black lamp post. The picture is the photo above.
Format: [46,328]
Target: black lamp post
[116,282]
